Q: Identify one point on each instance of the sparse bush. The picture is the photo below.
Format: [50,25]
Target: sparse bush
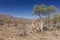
[23,34]
[15,24]
[8,21]
[57,25]
[1,39]
[1,22]
[45,29]
[24,31]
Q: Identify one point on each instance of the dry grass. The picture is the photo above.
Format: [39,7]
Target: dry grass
[13,33]
[16,29]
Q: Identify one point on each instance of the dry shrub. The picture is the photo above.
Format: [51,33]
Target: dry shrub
[1,22]
[15,24]
[1,39]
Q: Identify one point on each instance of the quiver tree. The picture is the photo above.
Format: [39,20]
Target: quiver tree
[39,10]
[42,10]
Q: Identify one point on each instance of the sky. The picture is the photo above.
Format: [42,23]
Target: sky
[23,8]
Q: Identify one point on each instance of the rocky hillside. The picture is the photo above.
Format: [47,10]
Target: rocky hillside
[6,17]
[24,31]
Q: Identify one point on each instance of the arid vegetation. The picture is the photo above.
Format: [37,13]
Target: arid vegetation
[12,28]
[43,10]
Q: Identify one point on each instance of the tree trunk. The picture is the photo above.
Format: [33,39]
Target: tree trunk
[41,24]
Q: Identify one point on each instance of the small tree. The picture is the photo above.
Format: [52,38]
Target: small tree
[43,10]
[39,10]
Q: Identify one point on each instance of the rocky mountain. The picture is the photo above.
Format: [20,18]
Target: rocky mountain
[6,17]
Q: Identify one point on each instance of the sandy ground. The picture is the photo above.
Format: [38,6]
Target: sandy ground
[12,33]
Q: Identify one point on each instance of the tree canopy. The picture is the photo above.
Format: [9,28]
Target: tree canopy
[43,10]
